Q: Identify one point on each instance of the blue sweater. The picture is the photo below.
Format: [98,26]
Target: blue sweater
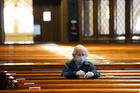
[70,69]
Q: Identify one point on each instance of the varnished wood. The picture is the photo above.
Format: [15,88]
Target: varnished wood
[74,91]
[112,53]
[118,65]
[2,36]
[83,86]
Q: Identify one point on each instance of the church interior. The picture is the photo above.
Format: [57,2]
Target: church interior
[37,38]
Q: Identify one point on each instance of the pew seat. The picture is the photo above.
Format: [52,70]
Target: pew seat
[73,91]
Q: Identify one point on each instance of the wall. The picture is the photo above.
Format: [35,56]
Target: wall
[1,22]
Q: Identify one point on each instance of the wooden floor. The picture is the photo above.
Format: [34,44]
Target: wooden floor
[49,53]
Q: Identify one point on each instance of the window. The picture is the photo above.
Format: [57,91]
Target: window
[18,21]
[104,15]
[136,17]
[120,17]
[87,16]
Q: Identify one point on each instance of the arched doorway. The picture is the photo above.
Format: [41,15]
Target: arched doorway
[18,21]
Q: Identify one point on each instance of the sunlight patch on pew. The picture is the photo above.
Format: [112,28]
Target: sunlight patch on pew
[61,50]
[67,52]
[29,63]
[110,76]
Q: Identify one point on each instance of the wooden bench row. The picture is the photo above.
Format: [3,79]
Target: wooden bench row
[56,76]
[48,74]
[81,86]
[58,66]
[107,75]
[101,71]
[74,91]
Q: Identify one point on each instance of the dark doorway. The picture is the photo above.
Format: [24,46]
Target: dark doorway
[50,30]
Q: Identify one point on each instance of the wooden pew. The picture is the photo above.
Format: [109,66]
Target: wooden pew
[55,76]
[50,76]
[78,81]
[58,66]
[81,86]
[40,59]
[101,71]
[74,91]
[41,75]
[25,84]
[54,58]
[31,66]
[62,78]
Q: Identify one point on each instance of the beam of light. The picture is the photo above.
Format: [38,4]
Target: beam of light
[67,52]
